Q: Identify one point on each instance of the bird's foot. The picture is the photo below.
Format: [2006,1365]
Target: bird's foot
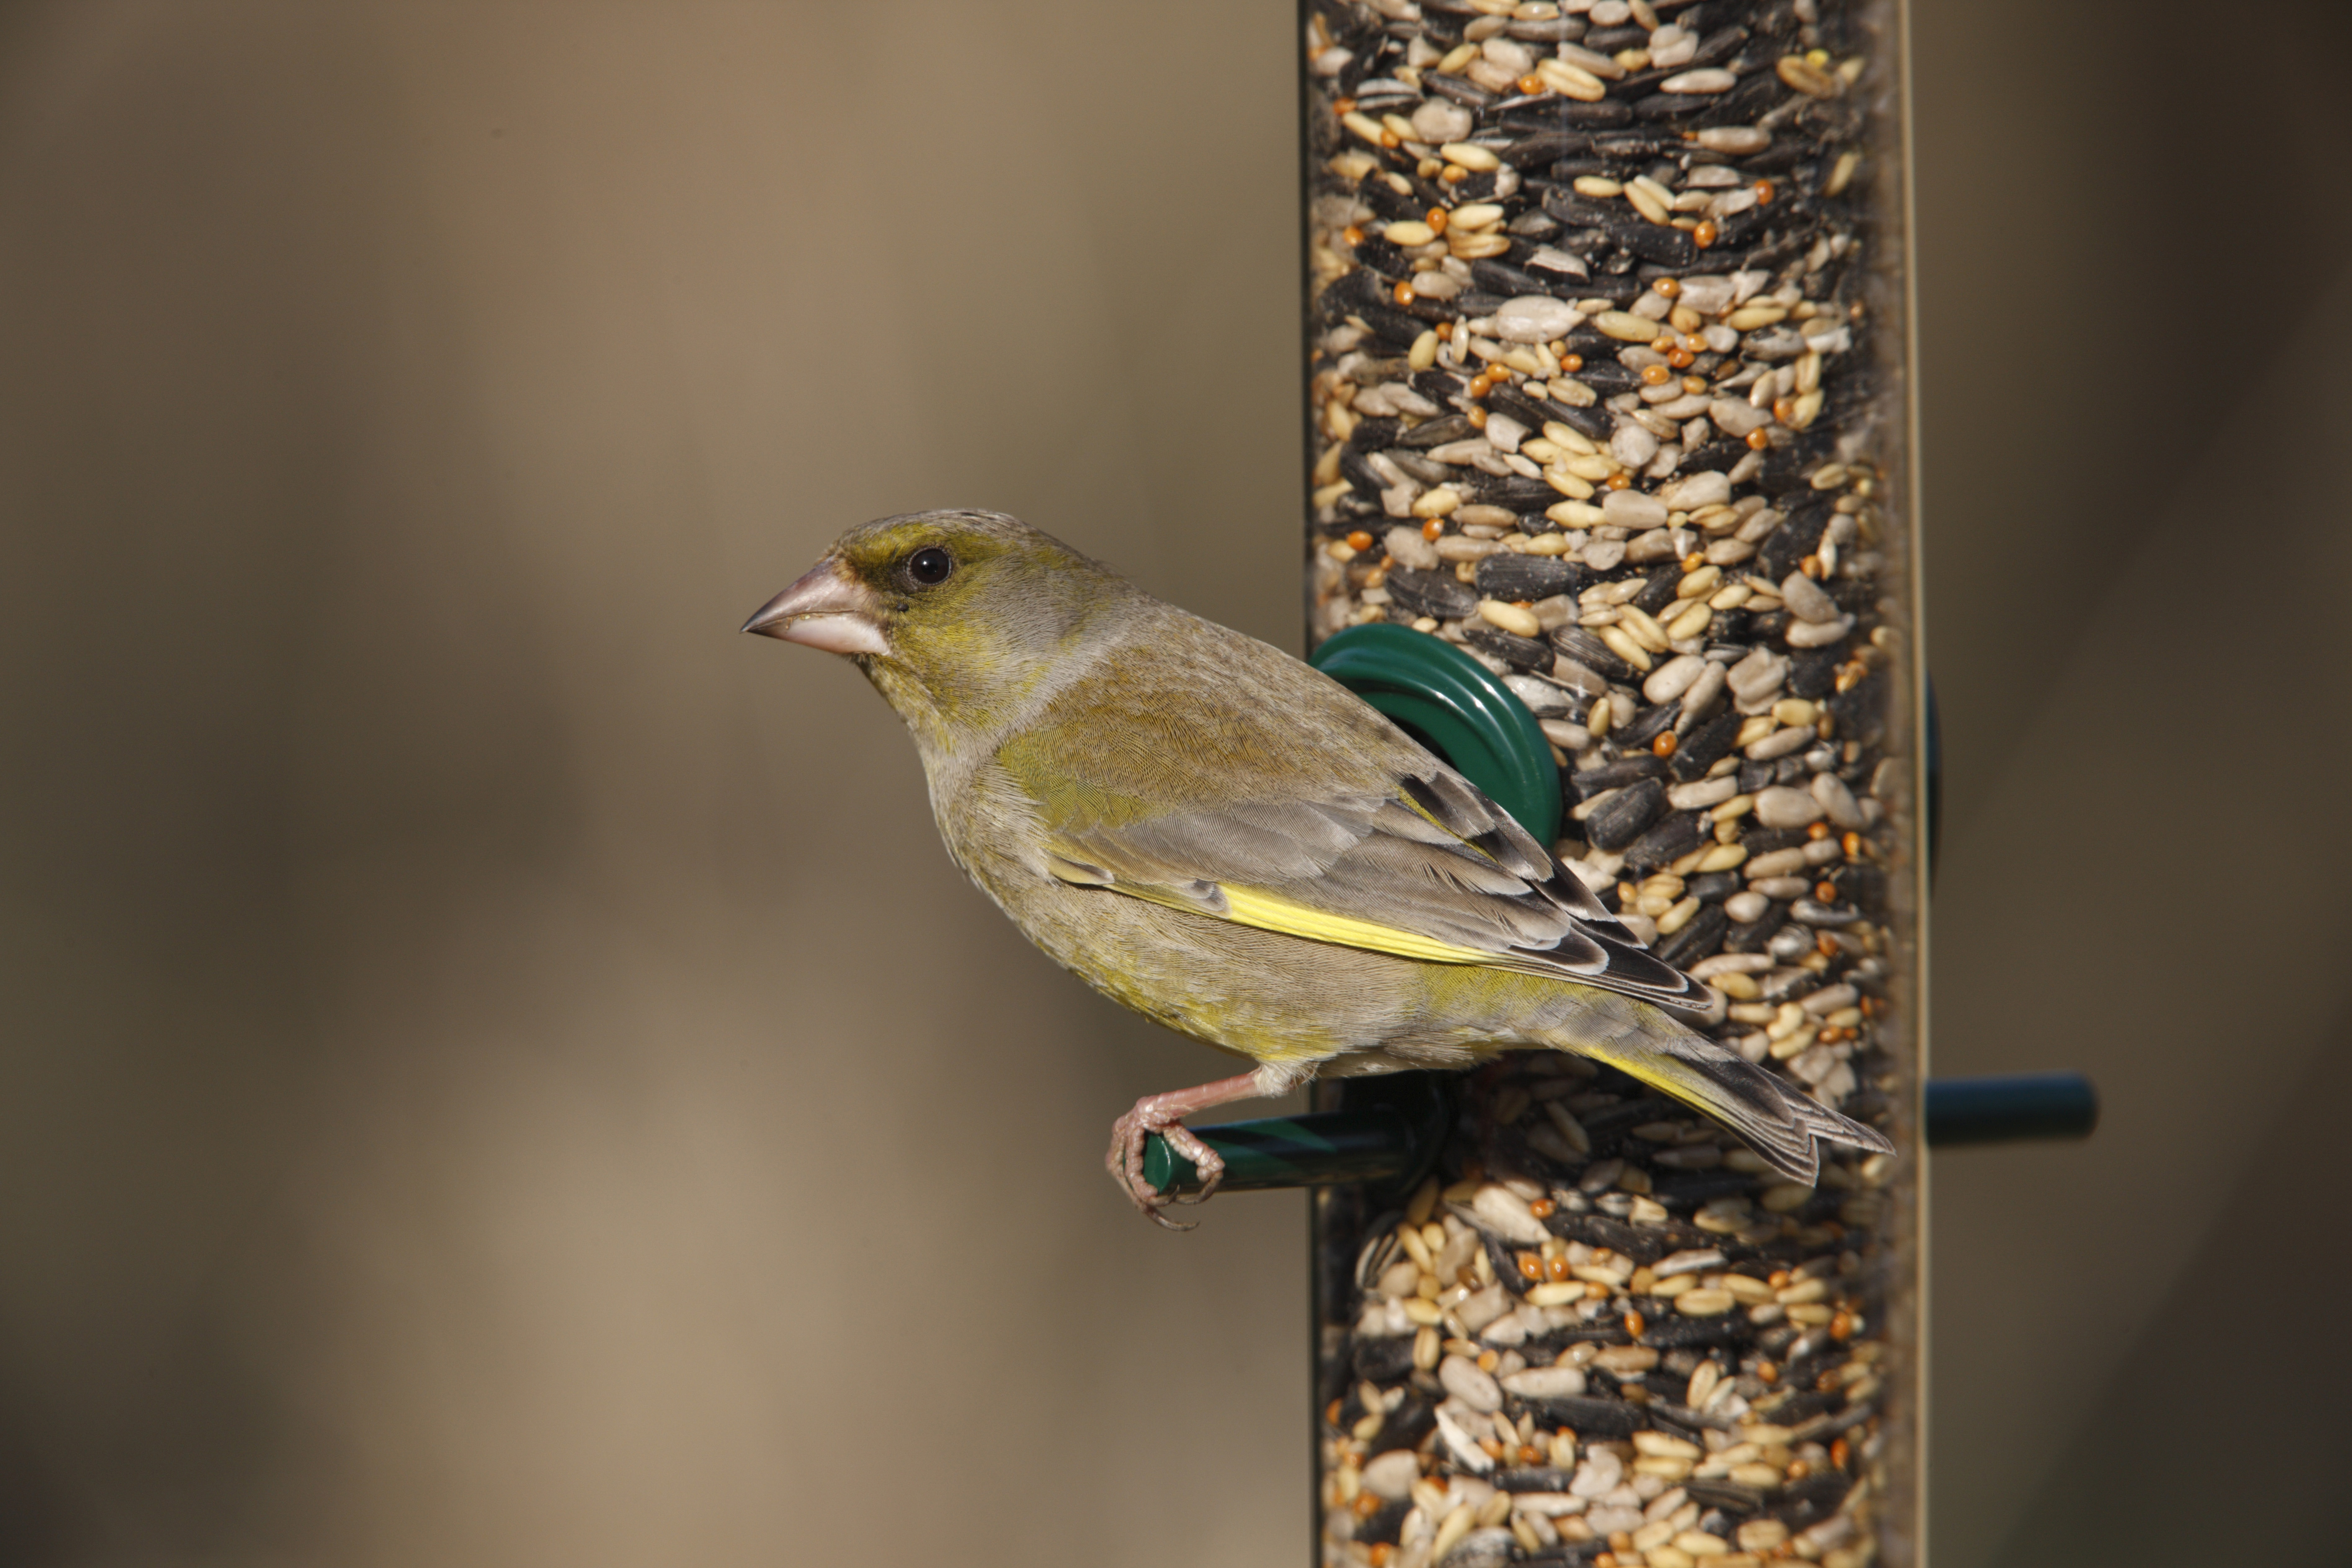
[1130,1133]
[1164,1114]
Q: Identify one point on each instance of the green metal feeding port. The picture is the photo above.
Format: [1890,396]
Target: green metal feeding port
[1455,706]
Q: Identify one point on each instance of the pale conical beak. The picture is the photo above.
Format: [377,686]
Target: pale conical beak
[827,608]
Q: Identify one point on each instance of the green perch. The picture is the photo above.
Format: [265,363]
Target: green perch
[1381,1142]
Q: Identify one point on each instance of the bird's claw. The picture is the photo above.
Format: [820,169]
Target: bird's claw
[1205,1160]
[1128,1135]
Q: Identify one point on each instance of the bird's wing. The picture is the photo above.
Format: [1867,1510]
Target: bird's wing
[1301,810]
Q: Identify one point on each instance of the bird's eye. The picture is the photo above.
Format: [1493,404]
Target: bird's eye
[930,565]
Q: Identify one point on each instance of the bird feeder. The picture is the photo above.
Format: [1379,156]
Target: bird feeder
[1610,504]
[1608,329]
[1611,501]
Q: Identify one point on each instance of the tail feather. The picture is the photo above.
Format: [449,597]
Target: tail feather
[1782,1123]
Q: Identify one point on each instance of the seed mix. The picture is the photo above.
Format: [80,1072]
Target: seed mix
[1605,380]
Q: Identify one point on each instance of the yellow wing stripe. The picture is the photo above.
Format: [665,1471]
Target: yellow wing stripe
[1251,908]
[1265,912]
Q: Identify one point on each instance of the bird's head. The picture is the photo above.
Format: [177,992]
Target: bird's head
[954,616]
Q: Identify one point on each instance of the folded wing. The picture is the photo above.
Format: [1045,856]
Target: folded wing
[1337,829]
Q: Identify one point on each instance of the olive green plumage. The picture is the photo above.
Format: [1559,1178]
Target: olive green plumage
[1218,836]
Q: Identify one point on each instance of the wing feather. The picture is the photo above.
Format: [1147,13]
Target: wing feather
[1282,801]
[1427,868]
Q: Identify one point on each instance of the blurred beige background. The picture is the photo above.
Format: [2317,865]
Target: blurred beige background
[496,1069]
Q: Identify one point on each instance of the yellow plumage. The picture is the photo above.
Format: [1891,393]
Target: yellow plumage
[1265,912]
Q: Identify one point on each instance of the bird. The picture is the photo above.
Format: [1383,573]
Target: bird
[1221,838]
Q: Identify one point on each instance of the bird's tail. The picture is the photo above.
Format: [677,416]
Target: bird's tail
[1779,1121]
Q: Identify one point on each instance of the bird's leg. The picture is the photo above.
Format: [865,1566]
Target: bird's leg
[1164,1114]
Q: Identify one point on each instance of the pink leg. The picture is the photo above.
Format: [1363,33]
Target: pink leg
[1164,1114]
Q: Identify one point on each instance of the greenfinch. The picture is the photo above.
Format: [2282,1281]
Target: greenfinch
[1221,838]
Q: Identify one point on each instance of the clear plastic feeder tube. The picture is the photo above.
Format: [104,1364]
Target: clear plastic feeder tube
[1608,337]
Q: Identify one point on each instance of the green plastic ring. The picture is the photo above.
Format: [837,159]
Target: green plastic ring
[1458,708]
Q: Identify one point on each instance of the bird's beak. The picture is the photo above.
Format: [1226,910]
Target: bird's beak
[827,608]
